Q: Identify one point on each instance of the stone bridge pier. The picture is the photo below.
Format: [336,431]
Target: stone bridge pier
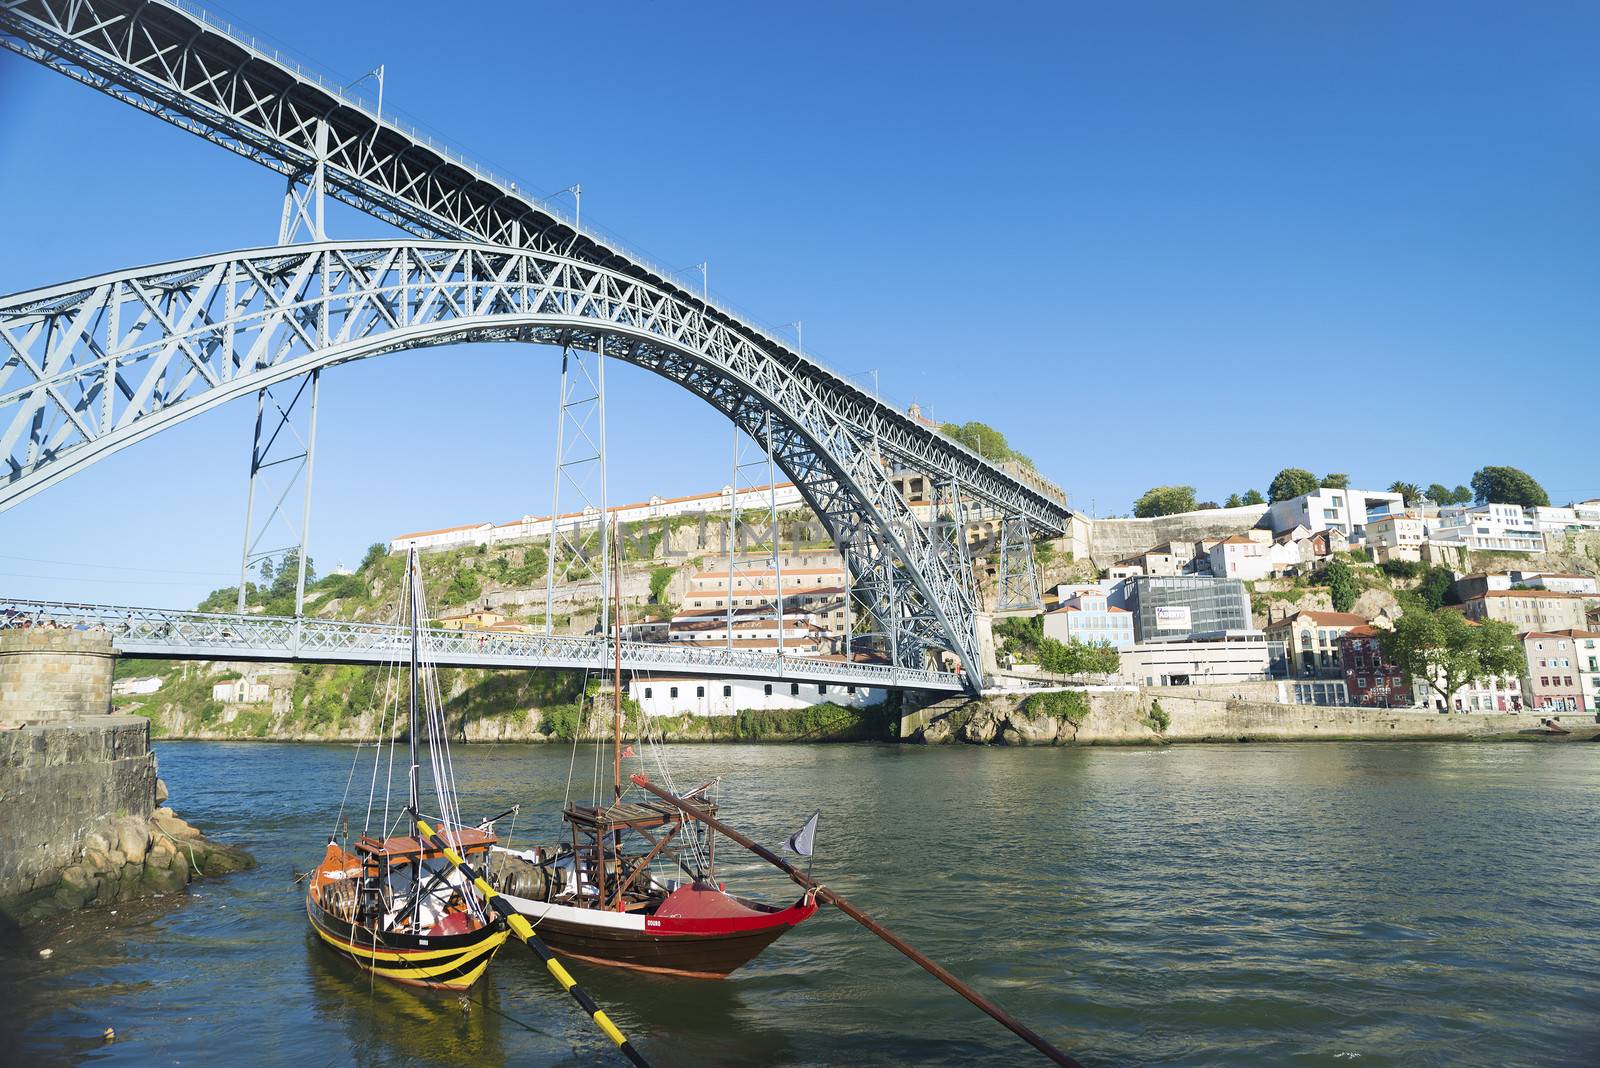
[69,770]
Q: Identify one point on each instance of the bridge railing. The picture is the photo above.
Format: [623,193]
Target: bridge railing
[206,635]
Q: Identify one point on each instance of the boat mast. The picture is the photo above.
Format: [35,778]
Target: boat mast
[411,718]
[616,675]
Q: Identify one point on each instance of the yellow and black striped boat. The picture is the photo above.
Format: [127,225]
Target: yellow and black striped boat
[442,937]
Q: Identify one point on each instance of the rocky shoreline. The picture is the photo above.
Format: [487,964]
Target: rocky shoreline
[129,858]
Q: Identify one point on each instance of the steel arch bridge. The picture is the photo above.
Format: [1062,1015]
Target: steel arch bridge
[92,366]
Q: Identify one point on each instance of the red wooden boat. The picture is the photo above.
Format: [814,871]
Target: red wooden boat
[597,898]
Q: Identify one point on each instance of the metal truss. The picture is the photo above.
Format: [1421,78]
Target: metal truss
[950,528]
[95,365]
[159,632]
[1018,585]
[584,543]
[755,556]
[273,461]
[177,62]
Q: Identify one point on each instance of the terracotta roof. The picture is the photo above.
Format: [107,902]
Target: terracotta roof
[1238,539]
[441,530]
[1561,634]
[1366,630]
[1322,619]
[1536,593]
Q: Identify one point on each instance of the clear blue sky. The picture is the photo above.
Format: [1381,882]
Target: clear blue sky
[1171,243]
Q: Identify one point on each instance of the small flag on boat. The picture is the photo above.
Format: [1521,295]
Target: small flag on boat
[627,750]
[805,839]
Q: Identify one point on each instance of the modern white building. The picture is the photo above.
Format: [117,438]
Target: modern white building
[1344,510]
[1237,659]
[679,696]
[1086,617]
[1556,581]
[136,687]
[1487,528]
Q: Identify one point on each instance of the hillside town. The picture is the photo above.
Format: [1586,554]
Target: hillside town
[1297,589]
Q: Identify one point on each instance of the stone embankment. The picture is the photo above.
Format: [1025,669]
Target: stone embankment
[79,822]
[1151,717]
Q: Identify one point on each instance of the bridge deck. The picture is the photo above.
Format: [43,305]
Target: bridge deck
[177,635]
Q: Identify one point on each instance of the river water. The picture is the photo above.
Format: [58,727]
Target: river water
[1375,904]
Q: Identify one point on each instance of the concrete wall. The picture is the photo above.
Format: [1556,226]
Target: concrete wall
[58,782]
[54,674]
[1111,540]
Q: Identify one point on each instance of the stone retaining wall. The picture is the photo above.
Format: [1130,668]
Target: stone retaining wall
[59,782]
[1131,719]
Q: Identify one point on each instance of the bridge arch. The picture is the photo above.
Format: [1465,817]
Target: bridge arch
[92,366]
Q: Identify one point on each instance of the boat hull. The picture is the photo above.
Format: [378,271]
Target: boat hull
[697,949]
[448,962]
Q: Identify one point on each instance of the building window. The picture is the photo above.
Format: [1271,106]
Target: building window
[767,689]
[794,689]
[727,691]
[849,689]
[674,692]
[647,693]
[699,691]
[823,688]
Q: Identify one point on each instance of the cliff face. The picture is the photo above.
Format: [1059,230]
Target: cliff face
[344,704]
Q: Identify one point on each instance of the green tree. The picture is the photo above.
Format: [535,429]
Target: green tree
[1410,492]
[1508,485]
[375,552]
[1164,500]
[463,587]
[1446,651]
[660,578]
[1290,483]
[1078,658]
[1233,501]
[1253,497]
[984,440]
[1439,493]
[1337,480]
[1436,588]
[288,575]
[1207,505]
[1341,585]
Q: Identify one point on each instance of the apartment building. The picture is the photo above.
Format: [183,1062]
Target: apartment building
[1529,610]
[1311,641]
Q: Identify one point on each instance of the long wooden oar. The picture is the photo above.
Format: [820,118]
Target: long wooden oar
[524,930]
[1000,1015]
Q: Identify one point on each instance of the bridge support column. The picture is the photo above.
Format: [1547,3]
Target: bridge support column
[266,454]
[48,675]
[580,471]
[1018,586]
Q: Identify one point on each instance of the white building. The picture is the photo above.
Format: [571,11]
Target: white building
[1241,557]
[679,696]
[136,687]
[784,495]
[1086,617]
[249,690]
[1397,536]
[1556,581]
[1487,528]
[1346,511]
[1197,663]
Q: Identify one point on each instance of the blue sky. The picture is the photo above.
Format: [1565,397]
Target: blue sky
[1153,244]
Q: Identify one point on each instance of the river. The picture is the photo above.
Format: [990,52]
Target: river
[1366,903]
